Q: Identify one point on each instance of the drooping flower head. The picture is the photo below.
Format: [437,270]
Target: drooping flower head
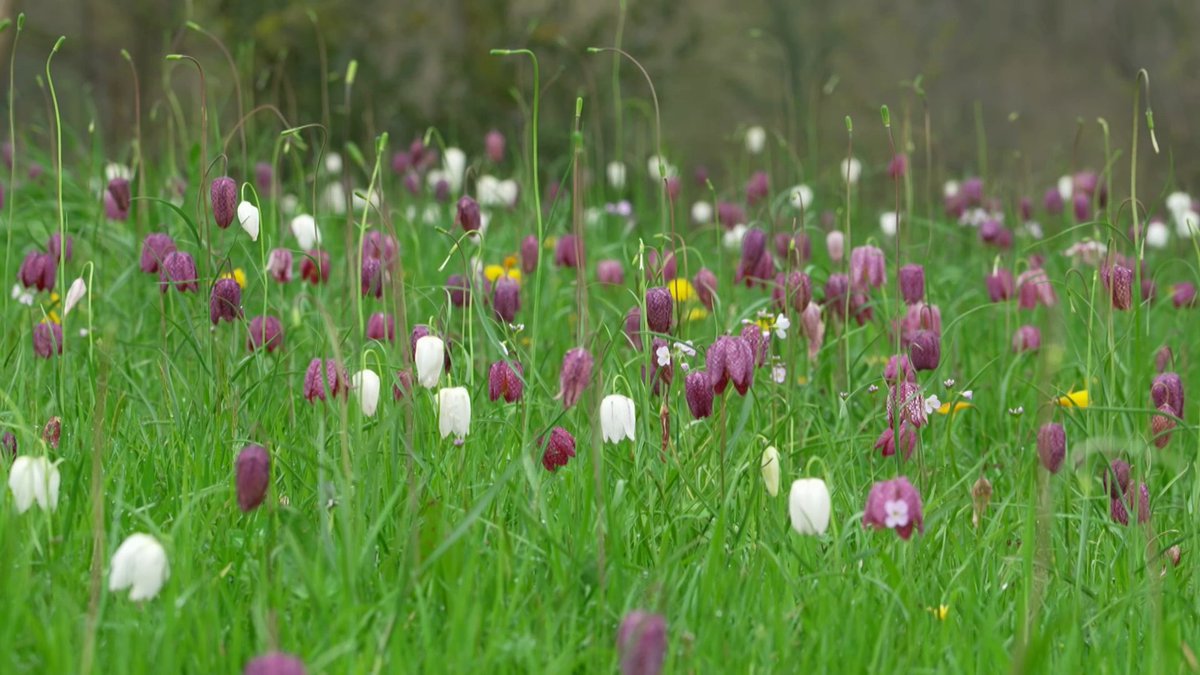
[1000,285]
[382,247]
[867,268]
[610,272]
[642,643]
[47,339]
[575,376]
[324,378]
[912,283]
[699,394]
[506,298]
[529,254]
[178,269]
[279,265]
[315,266]
[1167,389]
[265,331]
[558,449]
[1052,446]
[225,303]
[659,309]
[894,504]
[705,283]
[505,380]
[568,251]
[275,663]
[253,476]
[467,215]
[381,327]
[223,193]
[1027,339]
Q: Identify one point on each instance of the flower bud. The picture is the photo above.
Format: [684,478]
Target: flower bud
[809,506]
[769,464]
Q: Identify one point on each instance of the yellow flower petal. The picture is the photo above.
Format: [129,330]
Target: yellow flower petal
[946,408]
[697,314]
[51,317]
[551,242]
[237,275]
[514,274]
[681,290]
[1075,399]
[492,273]
[510,262]
[941,611]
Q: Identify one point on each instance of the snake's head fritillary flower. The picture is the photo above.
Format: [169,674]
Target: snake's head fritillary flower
[529,254]
[999,285]
[792,290]
[1161,426]
[253,476]
[1167,389]
[47,339]
[1033,287]
[366,384]
[506,298]
[730,215]
[868,268]
[739,364]
[467,215]
[275,663]
[659,309]
[642,643]
[972,190]
[898,166]
[34,480]
[324,378]
[8,442]
[178,269]
[769,465]
[633,327]
[1027,339]
[381,327]
[372,278]
[52,432]
[315,266]
[403,384]
[1053,201]
[912,283]
[905,397]
[1082,204]
[454,412]
[904,437]
[155,249]
[558,449]
[429,358]
[38,270]
[494,144]
[568,251]
[55,247]
[615,172]
[117,199]
[505,381]
[225,303]
[757,188]
[1119,280]
[895,505]
[1052,446]
[699,394]
[264,177]
[851,170]
[1163,359]
[835,244]
[756,338]
[899,365]
[618,418]
[139,564]
[459,290]
[926,350]
[662,267]
[223,193]
[382,247]
[279,265]
[809,506]
[575,376]
[265,331]
[610,272]
[705,283]
[1119,507]
[305,230]
[1184,295]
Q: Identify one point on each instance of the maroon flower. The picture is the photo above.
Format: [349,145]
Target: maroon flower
[794,290]
[1119,280]
[906,398]
[467,215]
[1161,426]
[324,378]
[972,191]
[898,166]
[279,265]
[754,337]
[38,270]
[567,253]
[460,290]
[381,327]
[1025,209]
[117,199]
[155,249]
[699,394]
[642,643]
[1082,203]
[1163,358]
[265,331]
[494,144]
[275,663]
[1184,295]
[757,188]
[1052,446]
[633,326]
[403,384]
[253,476]
[899,365]
[926,350]
[506,299]
[1167,389]
[867,268]
[225,302]
[382,247]
[576,373]
[1033,287]
[314,268]
[529,254]
[754,247]
[1053,201]
[730,215]
[559,449]
[705,284]
[907,433]
[372,278]
[610,272]
[52,432]
[55,243]
[47,339]
[739,364]
[1000,285]
[1118,507]
[659,309]
[912,283]
[505,381]
[178,269]
[894,504]
[264,177]
[1027,339]
[223,192]
[1117,478]
[660,267]
[716,362]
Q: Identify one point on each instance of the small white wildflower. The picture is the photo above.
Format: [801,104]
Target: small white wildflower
[968,394]
[702,213]
[756,140]
[932,404]
[664,356]
[781,326]
[888,222]
[779,373]
[685,348]
[1017,411]
[948,383]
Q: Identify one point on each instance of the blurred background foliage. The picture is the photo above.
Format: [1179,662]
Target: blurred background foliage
[1035,75]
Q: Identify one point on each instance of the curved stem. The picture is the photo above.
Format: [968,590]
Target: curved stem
[12,141]
[137,135]
[62,216]
[237,84]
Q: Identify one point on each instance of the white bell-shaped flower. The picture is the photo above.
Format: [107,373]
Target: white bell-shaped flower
[75,293]
[800,197]
[616,175]
[430,360]
[454,163]
[1157,235]
[618,418]
[851,170]
[756,140]
[808,506]
[454,411]
[887,223]
[247,215]
[34,479]
[306,232]
[770,470]
[702,213]
[140,564]
[365,384]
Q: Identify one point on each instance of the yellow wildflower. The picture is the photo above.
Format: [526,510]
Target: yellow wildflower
[681,290]
[941,611]
[51,317]
[551,242]
[510,262]
[697,314]
[802,380]
[948,408]
[494,272]
[1075,399]
[237,275]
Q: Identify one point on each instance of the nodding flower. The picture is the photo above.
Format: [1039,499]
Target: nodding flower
[739,364]
[794,247]
[705,283]
[1184,295]
[1052,446]
[730,215]
[813,329]
[178,269]
[633,327]
[506,298]
[1033,287]
[382,247]
[755,337]
[662,267]
[403,384]
[610,272]
[315,266]
[429,356]
[1027,339]
[467,215]
[529,254]
[1119,280]
[275,663]
[1118,506]
[505,381]
[253,476]
[47,339]
[926,350]
[756,264]
[559,449]
[903,436]
[1161,426]
[1167,390]
[898,166]
[642,643]
[659,309]
[1053,201]
[793,289]
[225,302]
[899,365]
[894,504]
[264,177]
[699,394]
[54,245]
[493,143]
[1163,359]
[265,331]
[576,373]
[223,193]
[868,268]
[38,270]
[279,265]
[118,197]
[381,327]
[324,377]
[155,249]
[912,283]
[459,289]
[567,252]
[835,244]
[757,188]
[372,278]
[999,285]
[1082,204]
[905,399]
